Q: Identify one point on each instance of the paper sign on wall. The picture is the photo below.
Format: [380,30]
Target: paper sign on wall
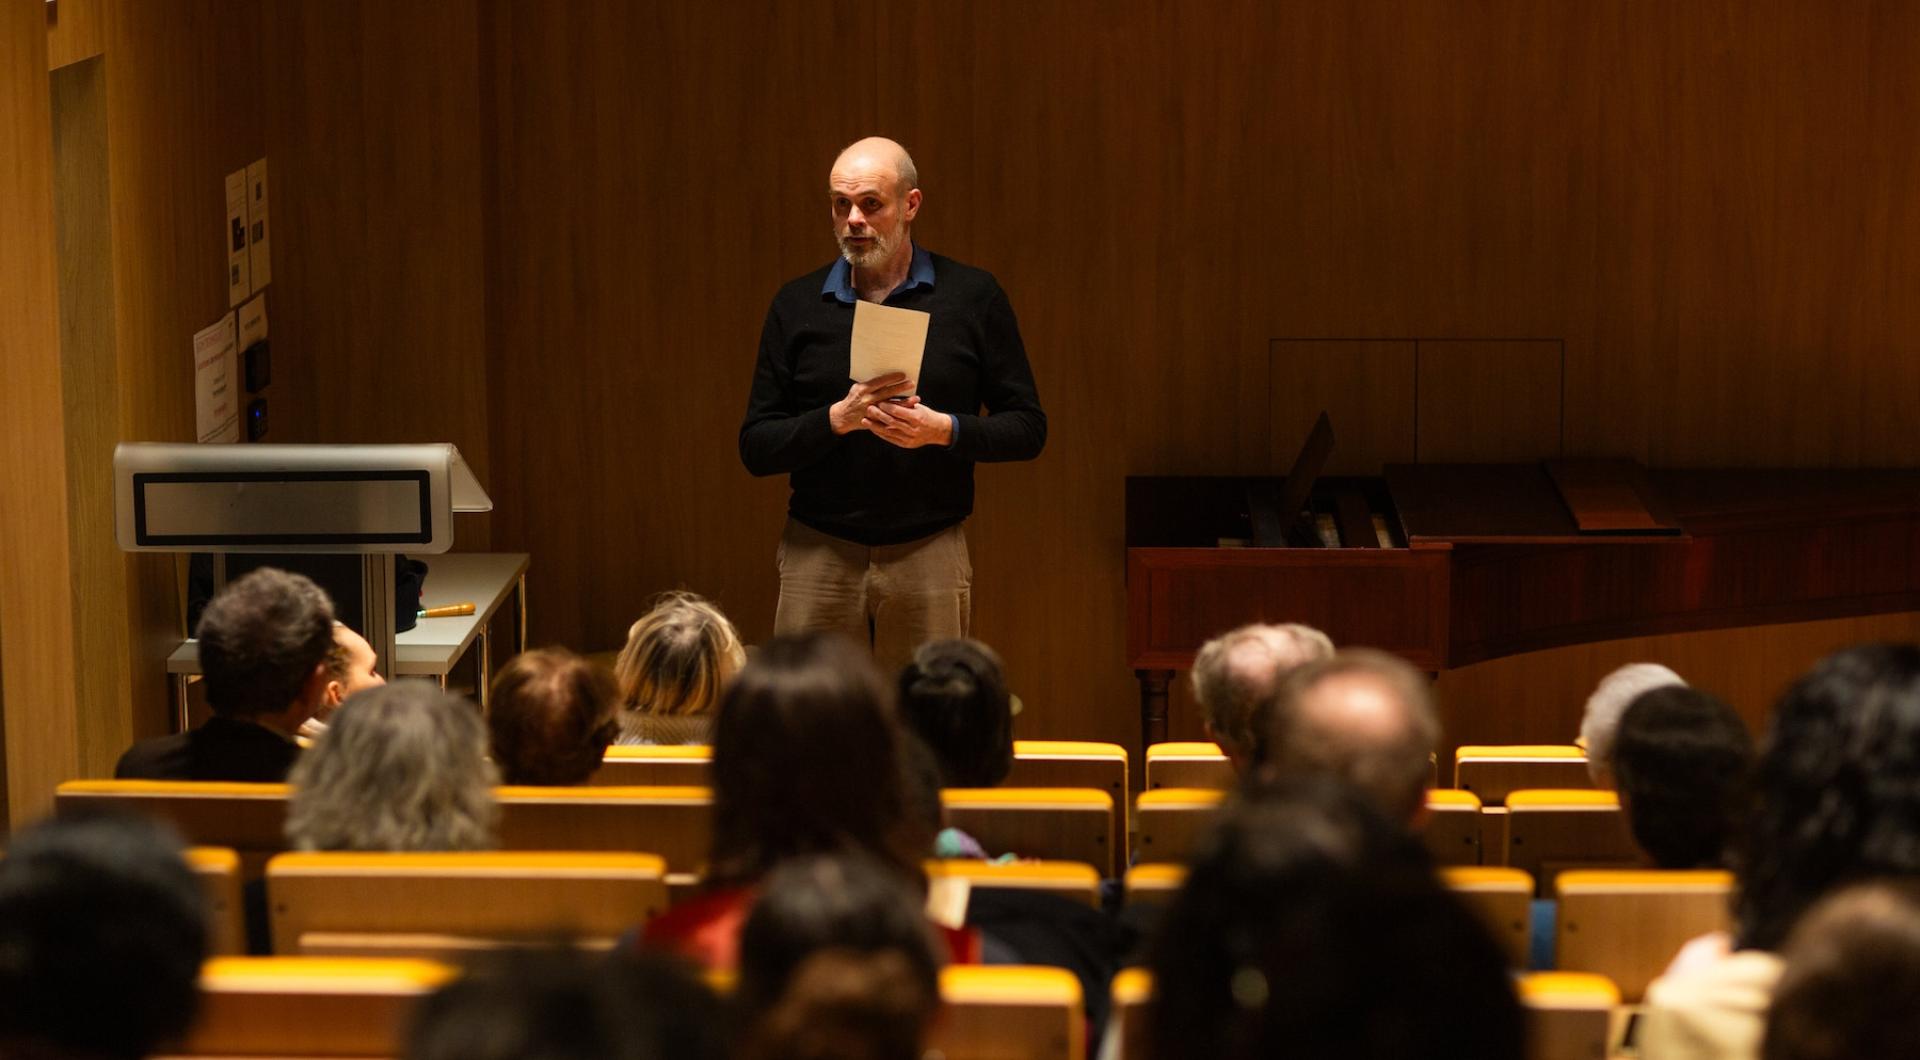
[216,388]
[259,233]
[239,277]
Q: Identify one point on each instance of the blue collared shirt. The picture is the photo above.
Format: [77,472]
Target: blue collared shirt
[839,286]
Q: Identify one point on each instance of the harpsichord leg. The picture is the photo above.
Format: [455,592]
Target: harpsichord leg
[1153,706]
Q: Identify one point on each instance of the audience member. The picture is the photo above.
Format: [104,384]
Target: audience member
[1362,715]
[1312,925]
[402,767]
[102,931]
[807,759]
[673,670]
[551,715]
[563,1004]
[953,695]
[350,669]
[1236,674]
[837,962]
[1836,800]
[1609,700]
[263,647]
[1680,762]
[1852,974]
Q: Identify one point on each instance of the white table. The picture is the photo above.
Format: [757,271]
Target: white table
[434,645]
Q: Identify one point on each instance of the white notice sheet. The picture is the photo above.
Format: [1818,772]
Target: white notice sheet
[216,398]
[887,339]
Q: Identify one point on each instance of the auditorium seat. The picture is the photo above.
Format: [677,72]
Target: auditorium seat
[1503,898]
[664,765]
[1004,1012]
[1553,829]
[307,1006]
[1490,771]
[218,870]
[1073,764]
[446,904]
[1452,827]
[673,822]
[249,819]
[1627,925]
[1059,824]
[1569,1015]
[1069,879]
[1188,765]
[1170,820]
[1155,881]
[1132,994]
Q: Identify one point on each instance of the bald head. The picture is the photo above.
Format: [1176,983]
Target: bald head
[1363,715]
[880,157]
[1235,676]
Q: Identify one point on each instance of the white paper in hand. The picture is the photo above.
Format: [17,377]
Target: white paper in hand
[887,339]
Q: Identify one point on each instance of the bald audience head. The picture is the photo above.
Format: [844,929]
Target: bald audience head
[1236,675]
[1362,715]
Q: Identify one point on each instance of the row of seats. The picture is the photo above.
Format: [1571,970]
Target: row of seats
[354,1007]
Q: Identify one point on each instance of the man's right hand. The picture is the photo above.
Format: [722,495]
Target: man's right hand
[849,413]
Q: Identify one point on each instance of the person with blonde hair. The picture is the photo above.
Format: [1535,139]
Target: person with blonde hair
[402,767]
[676,663]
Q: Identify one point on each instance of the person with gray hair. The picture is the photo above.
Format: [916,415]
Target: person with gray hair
[1362,715]
[263,645]
[1236,674]
[1610,699]
[401,767]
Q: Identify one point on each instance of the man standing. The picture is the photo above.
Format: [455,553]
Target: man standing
[882,470]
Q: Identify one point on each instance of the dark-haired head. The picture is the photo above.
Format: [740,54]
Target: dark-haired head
[806,760]
[1680,761]
[550,718]
[859,909]
[1312,925]
[954,696]
[564,1004]
[102,931]
[1836,789]
[264,641]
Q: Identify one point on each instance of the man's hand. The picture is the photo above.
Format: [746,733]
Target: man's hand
[909,425]
[849,413]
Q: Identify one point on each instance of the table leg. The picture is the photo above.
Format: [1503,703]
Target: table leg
[520,627]
[1153,706]
[485,676]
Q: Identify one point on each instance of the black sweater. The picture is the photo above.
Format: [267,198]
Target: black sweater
[856,486]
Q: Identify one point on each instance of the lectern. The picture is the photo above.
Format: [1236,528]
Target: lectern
[374,501]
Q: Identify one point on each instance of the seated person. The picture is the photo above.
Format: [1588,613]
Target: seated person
[1236,674]
[1609,700]
[102,931]
[676,663]
[1680,763]
[263,649]
[350,669]
[402,767]
[551,717]
[953,695]
[1852,972]
[565,1004]
[1313,925]
[837,962]
[1361,715]
[807,759]
[1835,800]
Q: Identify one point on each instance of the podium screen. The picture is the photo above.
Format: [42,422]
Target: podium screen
[228,509]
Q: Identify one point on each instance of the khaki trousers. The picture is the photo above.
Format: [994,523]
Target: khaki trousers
[893,598]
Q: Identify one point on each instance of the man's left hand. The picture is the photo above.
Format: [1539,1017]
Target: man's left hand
[909,424]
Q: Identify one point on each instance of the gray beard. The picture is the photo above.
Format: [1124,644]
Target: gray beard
[873,256]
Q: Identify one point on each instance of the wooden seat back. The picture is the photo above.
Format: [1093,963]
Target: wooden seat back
[1058,824]
[218,870]
[1002,1012]
[665,765]
[1569,1015]
[673,822]
[1188,765]
[1555,829]
[308,1006]
[1074,764]
[1155,881]
[1627,924]
[1170,821]
[249,819]
[1491,771]
[1132,994]
[1069,879]
[443,904]
[1503,899]
[1452,827]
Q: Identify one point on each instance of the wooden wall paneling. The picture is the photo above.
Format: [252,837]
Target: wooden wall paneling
[36,596]
[1488,402]
[1366,388]
[76,30]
